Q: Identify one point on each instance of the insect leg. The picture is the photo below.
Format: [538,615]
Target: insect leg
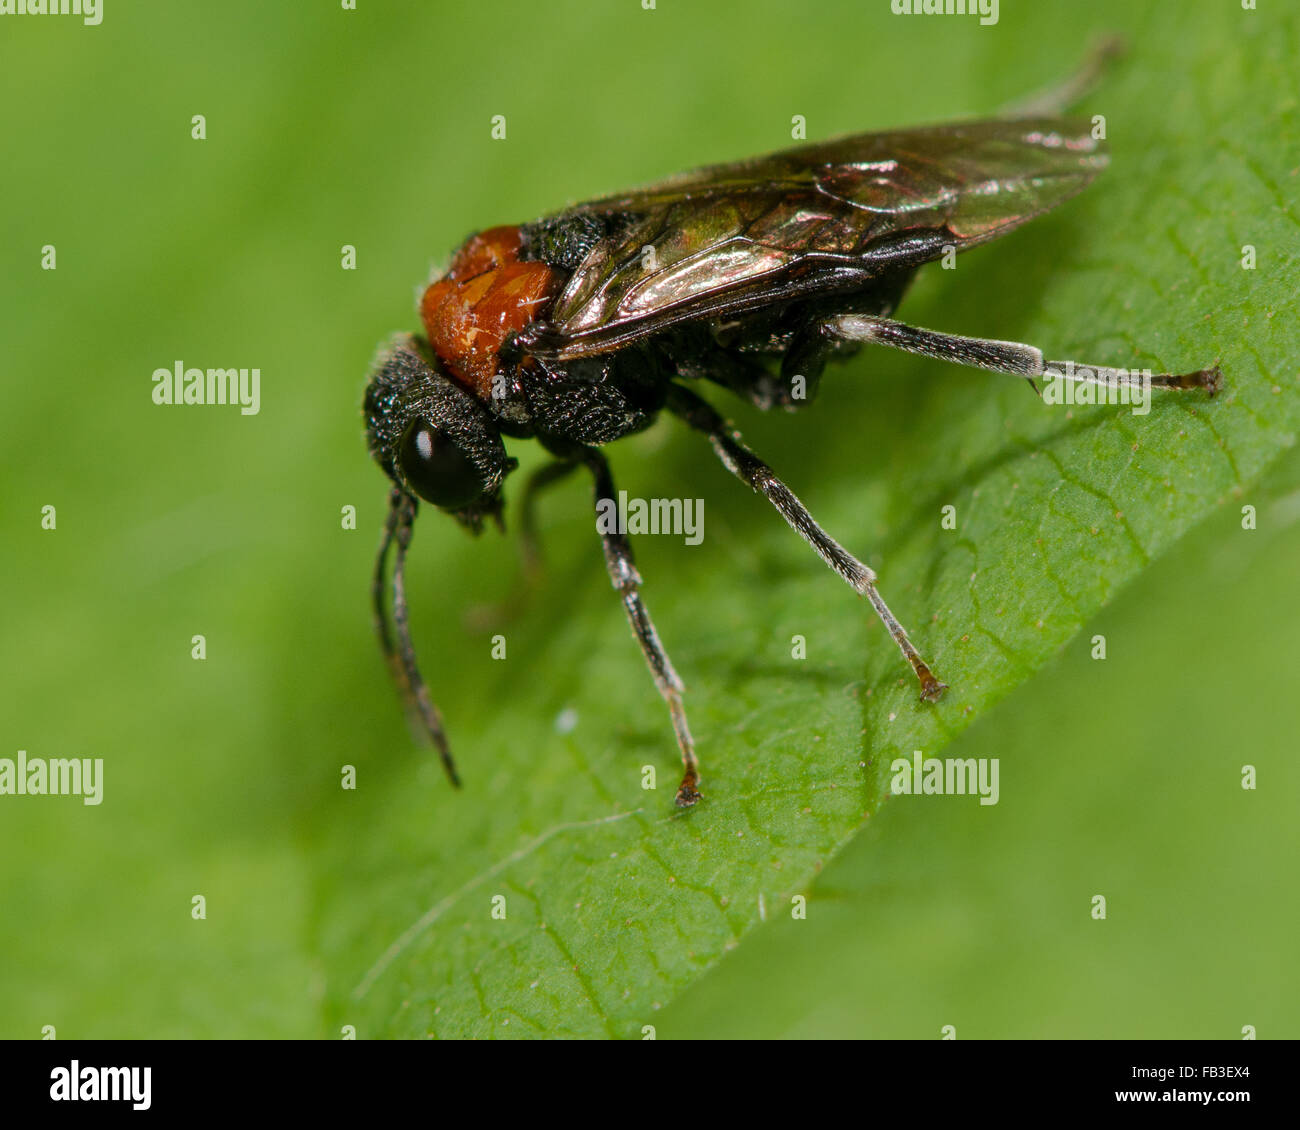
[1056,99]
[537,482]
[1008,356]
[747,467]
[805,357]
[626,579]
[379,586]
[401,656]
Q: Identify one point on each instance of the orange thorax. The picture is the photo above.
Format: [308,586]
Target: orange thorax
[486,294]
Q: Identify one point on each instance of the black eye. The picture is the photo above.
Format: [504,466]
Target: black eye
[438,470]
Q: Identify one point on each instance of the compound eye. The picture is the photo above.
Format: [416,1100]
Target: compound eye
[438,470]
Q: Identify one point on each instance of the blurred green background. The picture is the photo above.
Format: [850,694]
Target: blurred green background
[371,128]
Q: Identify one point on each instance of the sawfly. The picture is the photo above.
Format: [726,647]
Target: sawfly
[579,328]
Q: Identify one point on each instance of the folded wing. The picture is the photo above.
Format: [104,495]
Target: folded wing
[714,238]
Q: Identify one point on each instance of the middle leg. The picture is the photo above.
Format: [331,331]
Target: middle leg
[747,467]
[626,579]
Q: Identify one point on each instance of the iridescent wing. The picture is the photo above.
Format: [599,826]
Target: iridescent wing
[809,221]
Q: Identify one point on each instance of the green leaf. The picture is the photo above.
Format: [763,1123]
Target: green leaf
[614,902]
[1124,778]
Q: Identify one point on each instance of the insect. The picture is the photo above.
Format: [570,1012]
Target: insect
[581,327]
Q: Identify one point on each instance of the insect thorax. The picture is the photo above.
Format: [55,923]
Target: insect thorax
[487,295]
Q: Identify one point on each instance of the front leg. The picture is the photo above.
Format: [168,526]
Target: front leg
[395,634]
[626,579]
